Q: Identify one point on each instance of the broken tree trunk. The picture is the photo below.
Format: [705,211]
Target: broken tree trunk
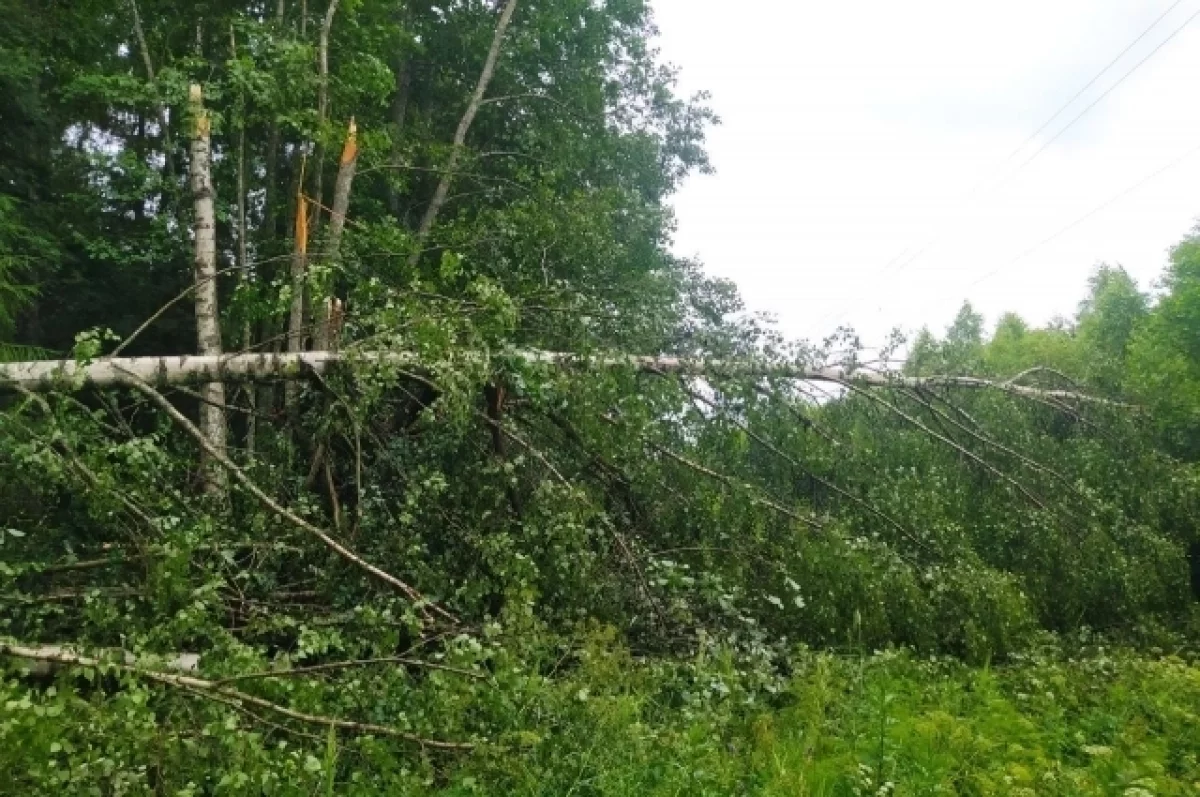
[50,375]
[341,192]
[208,327]
[295,328]
[324,332]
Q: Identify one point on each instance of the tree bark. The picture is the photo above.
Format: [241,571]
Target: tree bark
[208,327]
[295,329]
[66,375]
[243,258]
[460,135]
[322,104]
[341,192]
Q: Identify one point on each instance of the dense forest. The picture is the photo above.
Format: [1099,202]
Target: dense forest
[360,434]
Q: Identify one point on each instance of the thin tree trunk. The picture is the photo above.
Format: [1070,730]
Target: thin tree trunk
[148,62]
[274,222]
[208,328]
[460,135]
[296,318]
[399,114]
[139,144]
[243,259]
[322,105]
[325,334]
[299,269]
[295,328]
[341,192]
[270,228]
[270,216]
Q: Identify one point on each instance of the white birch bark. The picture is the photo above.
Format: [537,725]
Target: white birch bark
[66,375]
[208,326]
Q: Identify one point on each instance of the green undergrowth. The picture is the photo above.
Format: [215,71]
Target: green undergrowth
[1061,719]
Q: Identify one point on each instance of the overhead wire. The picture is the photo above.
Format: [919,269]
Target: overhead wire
[905,262]
[1099,208]
[1081,219]
[1100,99]
[1092,82]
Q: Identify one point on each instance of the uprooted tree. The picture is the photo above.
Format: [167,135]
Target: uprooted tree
[475,406]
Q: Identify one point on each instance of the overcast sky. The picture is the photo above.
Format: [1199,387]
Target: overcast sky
[857,133]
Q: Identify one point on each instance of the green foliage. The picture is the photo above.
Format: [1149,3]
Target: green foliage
[585,717]
[643,567]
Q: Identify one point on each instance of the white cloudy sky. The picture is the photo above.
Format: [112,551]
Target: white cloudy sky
[854,132]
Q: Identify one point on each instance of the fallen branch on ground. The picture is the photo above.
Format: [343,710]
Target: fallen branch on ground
[245,481]
[56,654]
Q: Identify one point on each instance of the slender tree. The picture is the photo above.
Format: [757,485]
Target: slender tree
[208,323]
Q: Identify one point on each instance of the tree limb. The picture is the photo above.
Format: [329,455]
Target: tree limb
[212,689]
[729,482]
[971,455]
[771,447]
[344,665]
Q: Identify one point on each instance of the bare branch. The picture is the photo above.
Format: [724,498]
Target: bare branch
[186,292]
[728,481]
[345,665]
[771,447]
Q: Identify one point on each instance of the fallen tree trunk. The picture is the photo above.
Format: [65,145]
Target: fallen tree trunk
[65,375]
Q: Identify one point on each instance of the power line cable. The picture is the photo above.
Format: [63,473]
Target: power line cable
[1092,82]
[1100,99]
[1099,208]
[907,261]
[1085,217]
